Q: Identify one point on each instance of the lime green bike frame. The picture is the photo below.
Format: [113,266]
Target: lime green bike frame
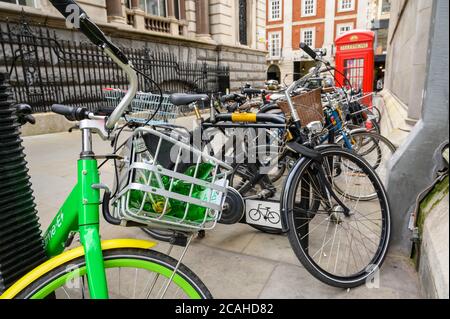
[80,213]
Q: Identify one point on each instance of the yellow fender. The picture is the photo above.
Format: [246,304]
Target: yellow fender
[66,256]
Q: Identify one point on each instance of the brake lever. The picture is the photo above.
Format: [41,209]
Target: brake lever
[23,112]
[75,127]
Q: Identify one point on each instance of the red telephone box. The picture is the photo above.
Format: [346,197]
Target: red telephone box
[355,59]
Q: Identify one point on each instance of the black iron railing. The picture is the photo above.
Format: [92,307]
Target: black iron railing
[45,69]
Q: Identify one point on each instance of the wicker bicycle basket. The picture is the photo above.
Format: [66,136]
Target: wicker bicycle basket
[308,105]
[166,183]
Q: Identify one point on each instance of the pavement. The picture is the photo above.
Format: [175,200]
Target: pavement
[234,261]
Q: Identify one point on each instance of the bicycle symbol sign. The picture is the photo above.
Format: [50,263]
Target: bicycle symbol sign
[264,213]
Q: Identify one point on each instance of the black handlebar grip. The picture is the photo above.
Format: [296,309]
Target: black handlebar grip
[71,113]
[93,32]
[308,50]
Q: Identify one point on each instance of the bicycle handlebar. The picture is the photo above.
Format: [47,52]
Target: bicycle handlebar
[308,50]
[252,91]
[69,8]
[71,113]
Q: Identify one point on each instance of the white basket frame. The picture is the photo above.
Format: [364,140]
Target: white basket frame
[218,186]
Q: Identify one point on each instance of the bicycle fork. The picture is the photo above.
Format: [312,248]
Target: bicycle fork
[327,188]
[88,221]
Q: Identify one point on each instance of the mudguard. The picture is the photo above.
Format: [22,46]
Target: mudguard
[356,130]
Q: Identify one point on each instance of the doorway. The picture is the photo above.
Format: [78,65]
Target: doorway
[273,73]
[301,68]
[379,69]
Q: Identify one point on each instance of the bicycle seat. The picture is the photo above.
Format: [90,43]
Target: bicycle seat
[184,99]
[231,97]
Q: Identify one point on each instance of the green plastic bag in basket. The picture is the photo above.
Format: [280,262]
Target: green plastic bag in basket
[155,203]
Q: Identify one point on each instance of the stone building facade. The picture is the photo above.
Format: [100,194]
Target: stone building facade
[315,22]
[220,32]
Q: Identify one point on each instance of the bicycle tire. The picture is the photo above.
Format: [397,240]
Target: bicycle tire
[377,140]
[146,259]
[377,113]
[375,126]
[300,242]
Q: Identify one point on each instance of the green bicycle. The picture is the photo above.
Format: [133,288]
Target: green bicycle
[119,268]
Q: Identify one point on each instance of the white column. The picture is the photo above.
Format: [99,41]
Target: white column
[253,18]
[328,37]
[287,64]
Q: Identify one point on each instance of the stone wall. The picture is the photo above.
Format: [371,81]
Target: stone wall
[406,64]
[434,231]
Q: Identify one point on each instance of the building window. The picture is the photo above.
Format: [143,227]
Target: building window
[342,28]
[275,44]
[346,5]
[308,8]
[307,36]
[177,9]
[153,7]
[274,10]
[243,37]
[30,3]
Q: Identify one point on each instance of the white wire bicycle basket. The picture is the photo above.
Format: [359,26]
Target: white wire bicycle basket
[165,183]
[113,96]
[145,105]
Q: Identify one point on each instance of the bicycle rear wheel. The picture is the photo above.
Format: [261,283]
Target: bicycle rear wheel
[131,273]
[338,249]
[376,150]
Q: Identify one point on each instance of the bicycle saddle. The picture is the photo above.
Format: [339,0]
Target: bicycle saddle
[185,99]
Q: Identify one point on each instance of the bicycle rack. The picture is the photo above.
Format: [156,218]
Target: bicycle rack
[21,243]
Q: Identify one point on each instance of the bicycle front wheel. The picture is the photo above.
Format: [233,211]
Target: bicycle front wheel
[340,249]
[131,273]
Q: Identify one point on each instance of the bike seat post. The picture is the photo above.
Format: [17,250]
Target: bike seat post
[212,113]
